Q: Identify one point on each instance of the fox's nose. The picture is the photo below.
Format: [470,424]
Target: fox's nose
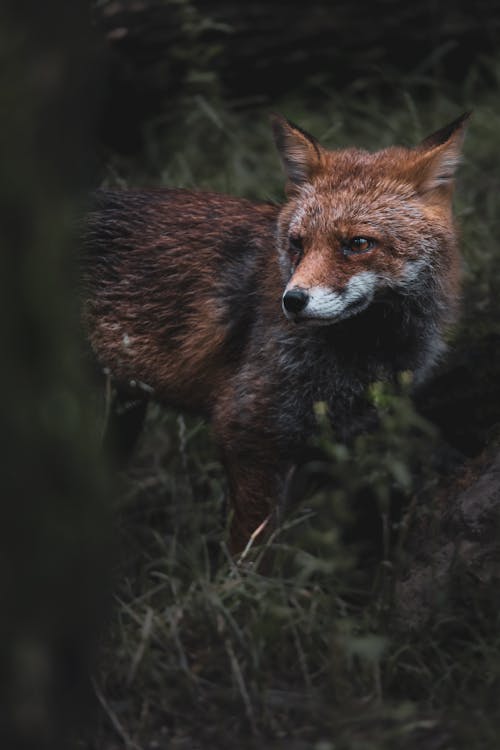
[295,300]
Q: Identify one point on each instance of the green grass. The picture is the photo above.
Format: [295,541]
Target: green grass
[203,653]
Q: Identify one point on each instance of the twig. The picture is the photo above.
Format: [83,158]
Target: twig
[252,539]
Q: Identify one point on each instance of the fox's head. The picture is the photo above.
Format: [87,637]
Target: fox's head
[358,225]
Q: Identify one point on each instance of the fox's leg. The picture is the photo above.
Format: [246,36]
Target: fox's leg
[255,456]
[256,489]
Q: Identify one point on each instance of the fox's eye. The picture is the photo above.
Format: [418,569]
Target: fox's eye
[358,245]
[295,249]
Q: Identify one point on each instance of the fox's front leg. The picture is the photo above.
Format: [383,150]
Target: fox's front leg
[255,459]
[256,496]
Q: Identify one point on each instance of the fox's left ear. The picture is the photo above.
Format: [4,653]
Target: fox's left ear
[438,156]
[299,151]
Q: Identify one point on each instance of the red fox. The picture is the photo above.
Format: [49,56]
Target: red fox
[251,312]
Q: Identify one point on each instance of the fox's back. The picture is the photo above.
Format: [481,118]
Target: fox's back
[170,283]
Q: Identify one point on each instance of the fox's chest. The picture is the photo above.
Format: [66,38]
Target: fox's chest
[325,382]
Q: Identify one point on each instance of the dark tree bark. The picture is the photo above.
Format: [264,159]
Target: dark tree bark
[454,555]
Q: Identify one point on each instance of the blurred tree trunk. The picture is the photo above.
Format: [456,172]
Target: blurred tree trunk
[53,485]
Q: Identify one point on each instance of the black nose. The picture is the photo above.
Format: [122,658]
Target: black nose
[295,300]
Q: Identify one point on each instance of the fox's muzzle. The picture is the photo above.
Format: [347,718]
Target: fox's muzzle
[324,305]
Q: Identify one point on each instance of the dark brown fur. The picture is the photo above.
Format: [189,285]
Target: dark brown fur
[182,295]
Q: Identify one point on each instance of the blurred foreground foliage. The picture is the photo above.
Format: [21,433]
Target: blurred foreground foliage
[54,487]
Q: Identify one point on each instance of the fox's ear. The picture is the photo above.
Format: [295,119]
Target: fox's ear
[299,151]
[439,155]
[457,127]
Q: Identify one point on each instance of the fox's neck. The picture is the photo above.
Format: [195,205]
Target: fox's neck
[394,334]
[336,364]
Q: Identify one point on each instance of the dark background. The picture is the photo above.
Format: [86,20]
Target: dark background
[159,52]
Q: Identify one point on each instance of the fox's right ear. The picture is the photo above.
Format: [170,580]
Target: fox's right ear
[299,151]
[438,157]
[454,131]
